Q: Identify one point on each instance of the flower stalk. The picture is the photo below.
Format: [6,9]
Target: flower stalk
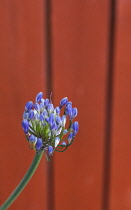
[23,182]
[46,130]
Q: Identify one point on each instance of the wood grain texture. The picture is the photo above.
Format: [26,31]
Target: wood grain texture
[80,58]
[22,76]
[120,184]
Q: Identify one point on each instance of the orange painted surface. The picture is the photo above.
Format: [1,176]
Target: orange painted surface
[80,51]
[22,76]
[120,192]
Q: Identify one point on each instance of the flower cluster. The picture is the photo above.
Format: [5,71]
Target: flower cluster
[45,126]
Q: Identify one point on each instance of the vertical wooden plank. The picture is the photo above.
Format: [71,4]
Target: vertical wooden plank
[22,71]
[80,31]
[120,187]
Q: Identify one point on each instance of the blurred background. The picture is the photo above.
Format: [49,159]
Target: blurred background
[82,50]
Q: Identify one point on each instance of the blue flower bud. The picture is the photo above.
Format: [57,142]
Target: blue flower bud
[36,117]
[63,120]
[36,106]
[28,106]
[58,120]
[69,102]
[63,102]
[58,131]
[74,112]
[50,150]
[45,114]
[70,137]
[41,117]
[68,110]
[57,141]
[46,102]
[38,144]
[47,119]
[25,126]
[25,115]
[65,131]
[50,108]
[32,138]
[51,118]
[42,107]
[53,126]
[63,143]
[42,101]
[39,97]
[75,127]
[57,109]
[31,114]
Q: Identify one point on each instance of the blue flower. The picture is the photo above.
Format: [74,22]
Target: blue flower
[25,115]
[50,108]
[57,141]
[31,114]
[38,144]
[36,106]
[46,102]
[39,97]
[75,127]
[63,143]
[74,112]
[70,137]
[63,102]
[44,127]
[57,109]
[33,139]
[68,110]
[69,102]
[25,126]
[63,120]
[50,150]
[28,106]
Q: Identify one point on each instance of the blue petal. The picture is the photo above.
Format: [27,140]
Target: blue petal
[69,102]
[32,138]
[31,114]
[42,107]
[63,120]
[68,111]
[25,115]
[38,144]
[50,108]
[63,102]
[74,112]
[45,114]
[57,110]
[29,106]
[51,118]
[46,102]
[36,106]
[25,126]
[50,150]
[75,127]
[42,118]
[70,137]
[58,120]
[63,143]
[39,97]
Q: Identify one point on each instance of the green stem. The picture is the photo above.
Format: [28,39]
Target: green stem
[23,182]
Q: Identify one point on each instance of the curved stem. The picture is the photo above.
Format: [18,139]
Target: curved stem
[23,182]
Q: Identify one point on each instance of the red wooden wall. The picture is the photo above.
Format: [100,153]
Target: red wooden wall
[78,49]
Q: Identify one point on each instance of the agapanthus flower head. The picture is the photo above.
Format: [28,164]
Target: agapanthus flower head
[45,126]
